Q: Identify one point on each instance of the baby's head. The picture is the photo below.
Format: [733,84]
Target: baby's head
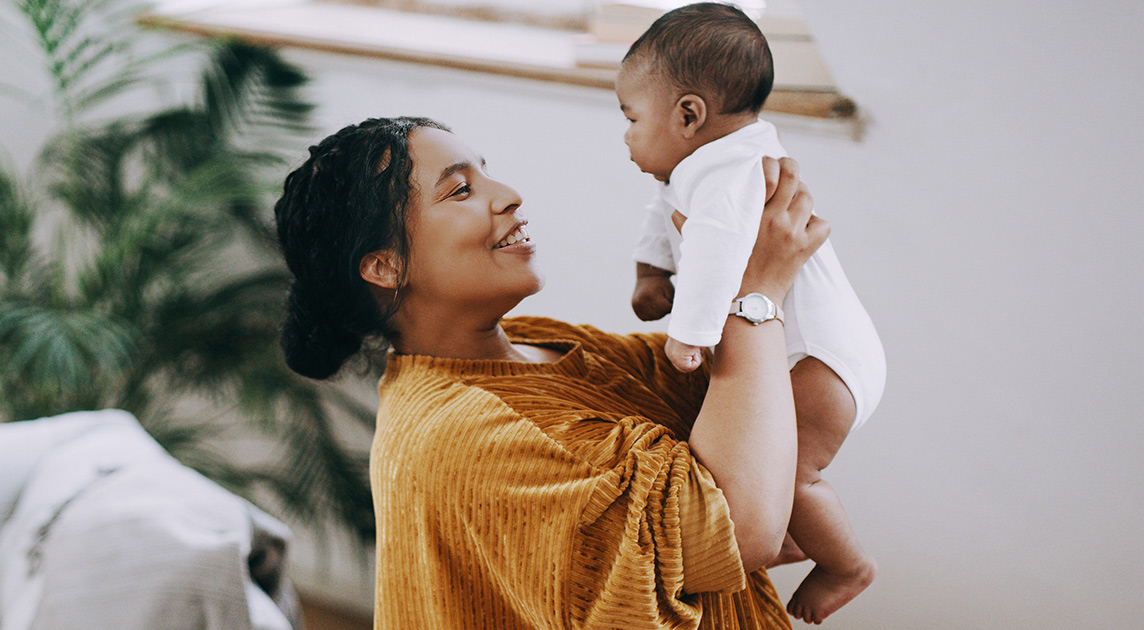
[697,74]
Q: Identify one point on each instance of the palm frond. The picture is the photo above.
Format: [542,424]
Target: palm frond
[16,222]
[250,89]
[334,481]
[76,43]
[86,171]
[16,93]
[178,292]
[63,357]
[208,336]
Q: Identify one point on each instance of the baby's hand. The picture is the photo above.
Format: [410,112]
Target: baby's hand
[685,358]
[651,299]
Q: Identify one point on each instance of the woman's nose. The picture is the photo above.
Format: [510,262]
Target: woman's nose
[506,200]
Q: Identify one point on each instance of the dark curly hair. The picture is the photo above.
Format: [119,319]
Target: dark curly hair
[348,199]
[710,49]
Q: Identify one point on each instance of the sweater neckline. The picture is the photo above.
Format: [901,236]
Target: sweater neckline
[572,362]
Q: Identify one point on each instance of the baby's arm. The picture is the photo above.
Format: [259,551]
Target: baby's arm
[717,239]
[655,264]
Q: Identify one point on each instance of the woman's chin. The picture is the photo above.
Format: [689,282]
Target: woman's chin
[521,292]
[533,290]
[539,279]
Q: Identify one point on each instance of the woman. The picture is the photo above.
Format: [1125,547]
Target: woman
[529,473]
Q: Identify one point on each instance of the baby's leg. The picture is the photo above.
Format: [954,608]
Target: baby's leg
[825,410]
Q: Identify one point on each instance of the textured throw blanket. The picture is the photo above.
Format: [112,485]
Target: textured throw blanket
[102,529]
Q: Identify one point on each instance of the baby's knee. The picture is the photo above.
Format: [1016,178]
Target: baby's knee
[807,472]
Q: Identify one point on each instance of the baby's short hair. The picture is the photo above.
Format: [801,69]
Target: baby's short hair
[713,50]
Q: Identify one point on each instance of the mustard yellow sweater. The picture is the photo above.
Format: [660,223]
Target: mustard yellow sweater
[553,495]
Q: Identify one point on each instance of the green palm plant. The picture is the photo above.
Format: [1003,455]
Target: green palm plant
[139,269]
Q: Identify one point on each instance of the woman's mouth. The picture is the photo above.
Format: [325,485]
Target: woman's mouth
[516,236]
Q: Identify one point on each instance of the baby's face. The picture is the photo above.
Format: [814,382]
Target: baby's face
[653,137]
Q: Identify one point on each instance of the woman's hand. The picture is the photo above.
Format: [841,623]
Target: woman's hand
[788,232]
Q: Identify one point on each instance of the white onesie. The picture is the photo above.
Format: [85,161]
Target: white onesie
[721,190]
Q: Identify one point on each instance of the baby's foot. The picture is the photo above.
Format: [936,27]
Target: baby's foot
[788,554]
[823,592]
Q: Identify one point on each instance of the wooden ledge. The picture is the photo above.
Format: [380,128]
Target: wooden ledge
[500,49]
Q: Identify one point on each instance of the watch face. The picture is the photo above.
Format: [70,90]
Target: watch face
[755,308]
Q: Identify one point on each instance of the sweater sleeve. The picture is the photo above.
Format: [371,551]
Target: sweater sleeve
[656,532]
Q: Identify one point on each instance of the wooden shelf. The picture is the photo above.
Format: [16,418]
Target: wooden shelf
[502,49]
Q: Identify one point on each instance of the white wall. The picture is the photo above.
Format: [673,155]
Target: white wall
[989,219]
[992,225]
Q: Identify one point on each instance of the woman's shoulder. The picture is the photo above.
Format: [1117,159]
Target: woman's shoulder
[534,327]
[540,329]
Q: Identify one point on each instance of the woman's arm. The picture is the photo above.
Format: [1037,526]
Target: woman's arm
[745,432]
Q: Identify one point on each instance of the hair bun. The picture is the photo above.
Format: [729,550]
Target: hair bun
[314,347]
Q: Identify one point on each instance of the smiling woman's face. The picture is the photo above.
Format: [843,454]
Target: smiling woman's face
[469,246]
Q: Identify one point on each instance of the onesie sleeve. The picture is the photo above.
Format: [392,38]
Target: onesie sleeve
[654,245]
[724,205]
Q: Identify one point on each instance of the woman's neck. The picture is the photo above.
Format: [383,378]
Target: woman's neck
[452,338]
[459,340]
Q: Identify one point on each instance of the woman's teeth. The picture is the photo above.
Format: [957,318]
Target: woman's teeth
[520,234]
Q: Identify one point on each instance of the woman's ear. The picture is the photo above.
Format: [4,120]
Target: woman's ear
[380,269]
[690,114]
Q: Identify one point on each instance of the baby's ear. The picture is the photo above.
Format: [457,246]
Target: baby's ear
[690,113]
[380,269]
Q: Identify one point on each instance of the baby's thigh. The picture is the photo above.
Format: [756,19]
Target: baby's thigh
[824,409]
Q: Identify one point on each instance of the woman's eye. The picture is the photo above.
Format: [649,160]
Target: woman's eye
[461,190]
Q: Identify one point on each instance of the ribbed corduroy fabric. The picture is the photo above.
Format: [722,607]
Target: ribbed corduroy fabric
[515,495]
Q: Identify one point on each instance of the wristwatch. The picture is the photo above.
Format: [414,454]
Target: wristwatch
[756,308]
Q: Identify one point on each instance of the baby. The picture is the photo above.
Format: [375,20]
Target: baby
[692,87]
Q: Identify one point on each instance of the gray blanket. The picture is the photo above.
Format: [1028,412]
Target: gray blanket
[102,529]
